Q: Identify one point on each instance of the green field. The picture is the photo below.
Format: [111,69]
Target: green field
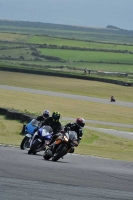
[77,43]
[22,51]
[66,31]
[70,55]
[49,40]
[68,49]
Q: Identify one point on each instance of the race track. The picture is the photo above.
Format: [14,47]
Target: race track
[85,98]
[64,95]
[77,177]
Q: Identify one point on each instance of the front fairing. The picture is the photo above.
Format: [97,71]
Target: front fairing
[32,126]
[68,136]
[35,122]
[45,133]
[72,135]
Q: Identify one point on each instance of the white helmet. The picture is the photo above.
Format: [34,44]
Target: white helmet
[46,114]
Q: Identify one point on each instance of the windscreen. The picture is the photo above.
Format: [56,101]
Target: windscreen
[72,135]
[34,122]
[48,129]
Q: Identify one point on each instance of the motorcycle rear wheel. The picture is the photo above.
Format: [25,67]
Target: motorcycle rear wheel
[25,143]
[60,152]
[34,147]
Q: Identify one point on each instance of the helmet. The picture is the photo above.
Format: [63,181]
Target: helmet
[46,114]
[80,122]
[56,116]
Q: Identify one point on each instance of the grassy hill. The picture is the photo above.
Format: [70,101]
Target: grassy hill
[62,49]
[67,31]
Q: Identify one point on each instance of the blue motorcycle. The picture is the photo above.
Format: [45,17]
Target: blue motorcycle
[40,139]
[30,129]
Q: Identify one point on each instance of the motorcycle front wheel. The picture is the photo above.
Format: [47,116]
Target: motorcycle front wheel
[34,147]
[60,152]
[47,154]
[25,143]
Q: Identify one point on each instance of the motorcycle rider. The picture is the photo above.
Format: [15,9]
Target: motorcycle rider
[112,99]
[77,127]
[54,123]
[40,118]
[44,116]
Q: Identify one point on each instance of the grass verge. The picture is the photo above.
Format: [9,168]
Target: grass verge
[93,142]
[67,85]
[67,107]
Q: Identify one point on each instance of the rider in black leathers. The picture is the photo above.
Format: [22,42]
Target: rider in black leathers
[112,99]
[54,123]
[40,118]
[77,127]
[44,116]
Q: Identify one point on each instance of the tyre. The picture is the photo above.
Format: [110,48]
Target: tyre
[60,152]
[47,154]
[34,147]
[25,143]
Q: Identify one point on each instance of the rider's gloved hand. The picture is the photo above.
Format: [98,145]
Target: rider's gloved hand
[62,131]
[76,143]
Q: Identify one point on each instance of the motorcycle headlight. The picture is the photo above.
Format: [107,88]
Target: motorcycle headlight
[65,138]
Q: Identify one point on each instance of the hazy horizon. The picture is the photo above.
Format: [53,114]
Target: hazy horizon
[87,13]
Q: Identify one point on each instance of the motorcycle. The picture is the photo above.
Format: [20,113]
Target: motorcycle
[40,139]
[63,144]
[30,129]
[112,99]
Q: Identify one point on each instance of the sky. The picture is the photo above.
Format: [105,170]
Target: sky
[89,13]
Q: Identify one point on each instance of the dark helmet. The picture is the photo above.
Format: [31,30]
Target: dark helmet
[80,122]
[46,114]
[56,116]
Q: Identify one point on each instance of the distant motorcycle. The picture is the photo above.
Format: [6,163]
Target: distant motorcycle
[112,99]
[62,145]
[30,129]
[40,139]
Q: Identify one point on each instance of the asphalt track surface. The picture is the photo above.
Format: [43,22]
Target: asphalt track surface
[76,177]
[64,95]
